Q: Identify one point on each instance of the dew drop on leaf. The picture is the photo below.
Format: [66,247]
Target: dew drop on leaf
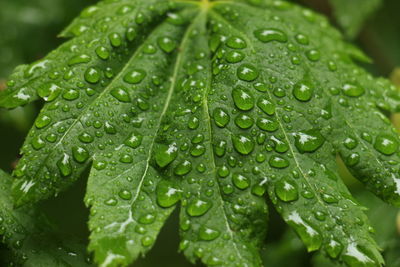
[183,168]
[242,98]
[243,144]
[198,207]
[208,234]
[236,42]
[166,44]
[168,194]
[302,92]
[386,144]
[121,94]
[165,154]
[278,162]
[247,72]
[286,190]
[352,90]
[240,181]
[135,76]
[270,34]
[308,141]
[92,75]
[221,117]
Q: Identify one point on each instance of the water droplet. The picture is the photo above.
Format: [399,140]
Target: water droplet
[302,39]
[92,75]
[308,141]
[134,140]
[243,99]
[267,124]
[270,34]
[166,44]
[221,117]
[243,121]
[302,92]
[247,72]
[38,143]
[193,123]
[79,59]
[334,248]
[86,138]
[198,207]
[240,181]
[350,143]
[121,94]
[102,52]
[165,154]
[71,94]
[278,162]
[208,234]
[109,128]
[311,237]
[111,202]
[183,168]
[42,121]
[313,55]
[168,194]
[80,154]
[234,56]
[352,90]
[135,76]
[267,106]
[115,39]
[125,194]
[243,144]
[64,165]
[49,91]
[386,144]
[236,42]
[287,190]
[147,241]
[352,159]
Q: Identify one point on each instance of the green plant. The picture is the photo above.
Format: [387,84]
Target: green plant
[210,104]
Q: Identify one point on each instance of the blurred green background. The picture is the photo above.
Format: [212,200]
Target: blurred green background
[28,30]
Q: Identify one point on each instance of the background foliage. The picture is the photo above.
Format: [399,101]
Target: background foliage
[28,31]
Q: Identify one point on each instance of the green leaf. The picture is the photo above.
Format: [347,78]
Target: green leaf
[31,238]
[209,104]
[351,15]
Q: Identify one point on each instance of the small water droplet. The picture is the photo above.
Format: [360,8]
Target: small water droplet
[198,207]
[165,154]
[243,99]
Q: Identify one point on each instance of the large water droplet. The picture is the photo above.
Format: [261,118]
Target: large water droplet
[352,90]
[198,207]
[386,144]
[166,44]
[287,190]
[243,144]
[221,117]
[208,234]
[92,75]
[278,162]
[165,154]
[308,141]
[302,92]
[64,165]
[270,34]
[240,181]
[168,194]
[247,72]
[243,99]
[135,76]
[121,94]
[80,154]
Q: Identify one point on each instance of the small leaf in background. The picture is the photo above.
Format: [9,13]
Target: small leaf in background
[351,14]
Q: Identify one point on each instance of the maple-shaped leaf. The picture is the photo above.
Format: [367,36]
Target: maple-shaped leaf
[210,104]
